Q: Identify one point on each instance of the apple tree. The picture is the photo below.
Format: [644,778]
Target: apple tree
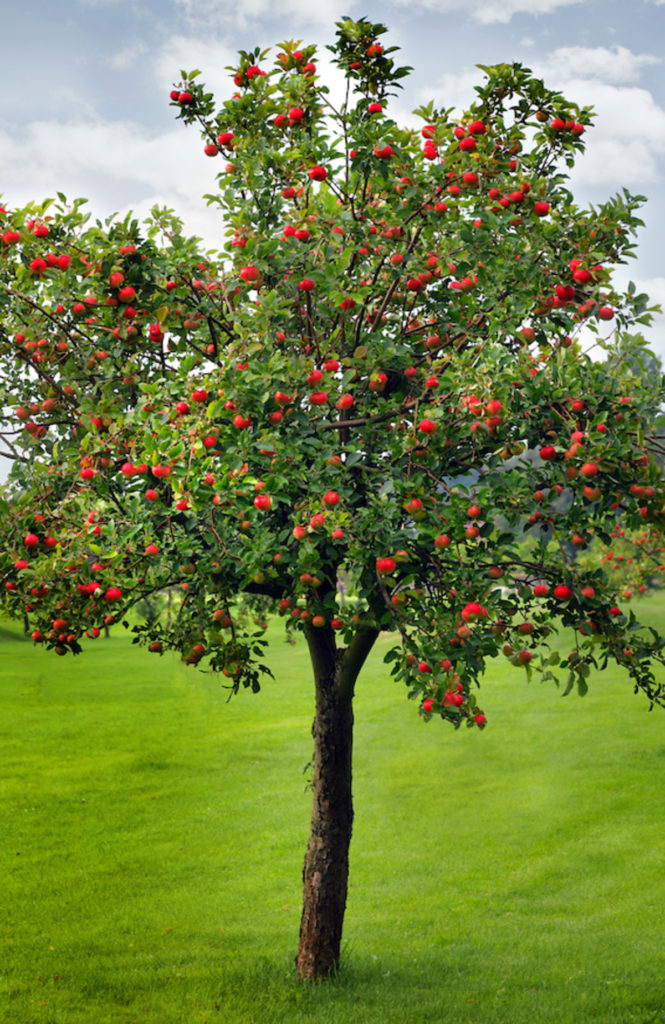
[408,368]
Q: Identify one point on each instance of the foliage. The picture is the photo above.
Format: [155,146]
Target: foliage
[383,374]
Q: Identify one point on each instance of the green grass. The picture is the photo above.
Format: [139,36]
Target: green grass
[152,838]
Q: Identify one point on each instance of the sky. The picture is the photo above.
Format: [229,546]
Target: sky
[86,97]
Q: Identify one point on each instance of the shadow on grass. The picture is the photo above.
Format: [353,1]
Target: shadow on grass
[13,632]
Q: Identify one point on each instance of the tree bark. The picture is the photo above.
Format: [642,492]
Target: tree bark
[326,868]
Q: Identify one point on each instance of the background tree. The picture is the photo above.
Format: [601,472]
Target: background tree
[381,377]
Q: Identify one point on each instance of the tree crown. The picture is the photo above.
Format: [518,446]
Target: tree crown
[381,381]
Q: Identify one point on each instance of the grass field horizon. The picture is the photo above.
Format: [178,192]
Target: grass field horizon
[153,837]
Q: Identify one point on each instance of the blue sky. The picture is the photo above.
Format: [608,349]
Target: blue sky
[86,109]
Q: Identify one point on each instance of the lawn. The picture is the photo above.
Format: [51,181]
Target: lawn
[153,836]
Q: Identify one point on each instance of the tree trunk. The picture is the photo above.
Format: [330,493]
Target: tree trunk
[326,869]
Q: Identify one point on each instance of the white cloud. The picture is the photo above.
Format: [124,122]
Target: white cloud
[124,59]
[627,143]
[490,12]
[617,65]
[105,161]
[453,90]
[186,53]
[219,14]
